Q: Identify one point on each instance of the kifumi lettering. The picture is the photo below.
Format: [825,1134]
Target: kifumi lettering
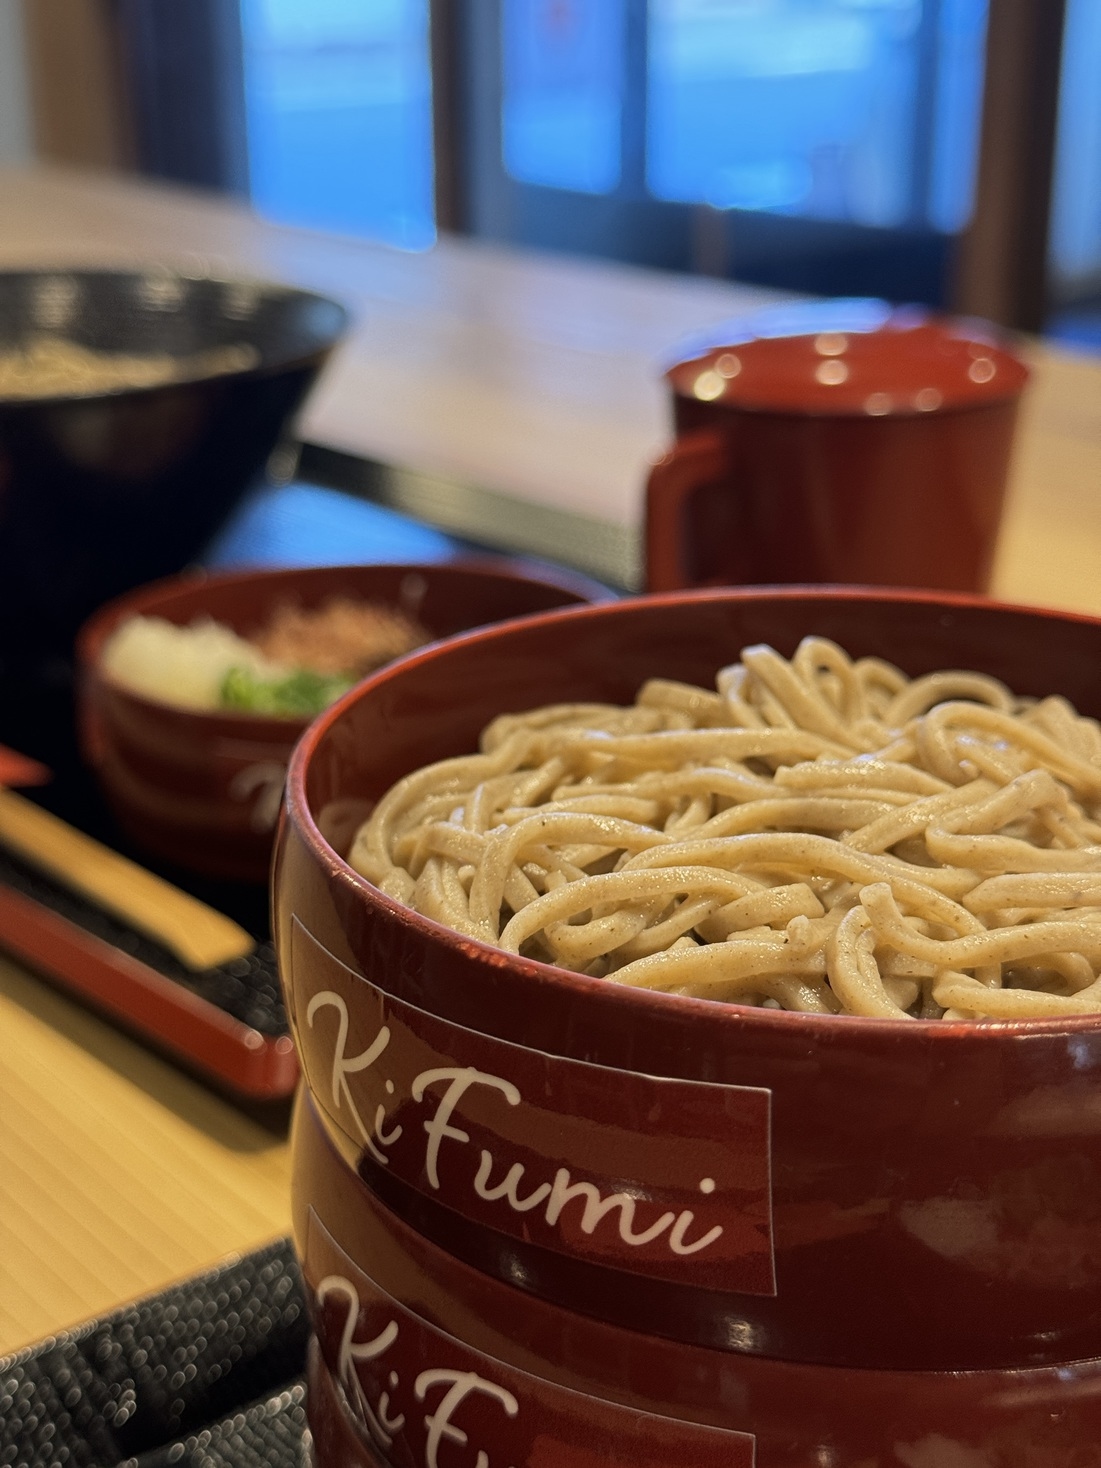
[664,1177]
[424,1396]
[383,1426]
[447,1086]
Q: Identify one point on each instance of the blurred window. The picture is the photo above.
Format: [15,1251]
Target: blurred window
[857,110]
[823,145]
[956,111]
[1076,202]
[562,93]
[338,107]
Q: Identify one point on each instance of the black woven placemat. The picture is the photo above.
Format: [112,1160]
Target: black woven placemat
[207,1374]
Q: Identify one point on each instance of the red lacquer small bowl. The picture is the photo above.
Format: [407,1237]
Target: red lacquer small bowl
[410,1340]
[202,790]
[904,1195]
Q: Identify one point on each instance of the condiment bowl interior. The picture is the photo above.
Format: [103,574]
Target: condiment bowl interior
[201,788]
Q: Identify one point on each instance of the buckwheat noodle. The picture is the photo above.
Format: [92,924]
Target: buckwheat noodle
[822,835]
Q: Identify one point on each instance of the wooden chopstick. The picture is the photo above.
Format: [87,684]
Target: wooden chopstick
[198,935]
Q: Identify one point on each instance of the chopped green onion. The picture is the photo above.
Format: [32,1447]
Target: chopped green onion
[300,694]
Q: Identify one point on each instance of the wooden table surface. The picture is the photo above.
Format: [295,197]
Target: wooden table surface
[533,377]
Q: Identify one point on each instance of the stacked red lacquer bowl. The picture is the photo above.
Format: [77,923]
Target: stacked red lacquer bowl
[881,1240]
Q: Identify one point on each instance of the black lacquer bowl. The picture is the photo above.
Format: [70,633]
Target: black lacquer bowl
[101,490]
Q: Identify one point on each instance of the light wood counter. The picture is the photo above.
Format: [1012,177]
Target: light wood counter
[532,377]
[1049,551]
[118,1173]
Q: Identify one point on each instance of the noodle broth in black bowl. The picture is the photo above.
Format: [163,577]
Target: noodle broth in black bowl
[721,1182]
[136,409]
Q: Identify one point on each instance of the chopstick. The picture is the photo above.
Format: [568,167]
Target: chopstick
[198,935]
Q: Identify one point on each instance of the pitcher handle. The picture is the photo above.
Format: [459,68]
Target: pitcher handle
[695,459]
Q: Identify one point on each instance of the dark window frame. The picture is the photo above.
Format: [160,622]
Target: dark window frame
[184,60]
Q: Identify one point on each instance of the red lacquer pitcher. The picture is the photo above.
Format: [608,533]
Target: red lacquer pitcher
[838,441]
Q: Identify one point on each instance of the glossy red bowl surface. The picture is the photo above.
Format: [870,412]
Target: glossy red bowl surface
[907,1195]
[410,1340]
[203,790]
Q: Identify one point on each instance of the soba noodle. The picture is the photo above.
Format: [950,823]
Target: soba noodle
[822,835]
[48,366]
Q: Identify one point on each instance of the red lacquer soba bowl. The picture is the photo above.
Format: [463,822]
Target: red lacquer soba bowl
[874,1194]
[411,1341]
